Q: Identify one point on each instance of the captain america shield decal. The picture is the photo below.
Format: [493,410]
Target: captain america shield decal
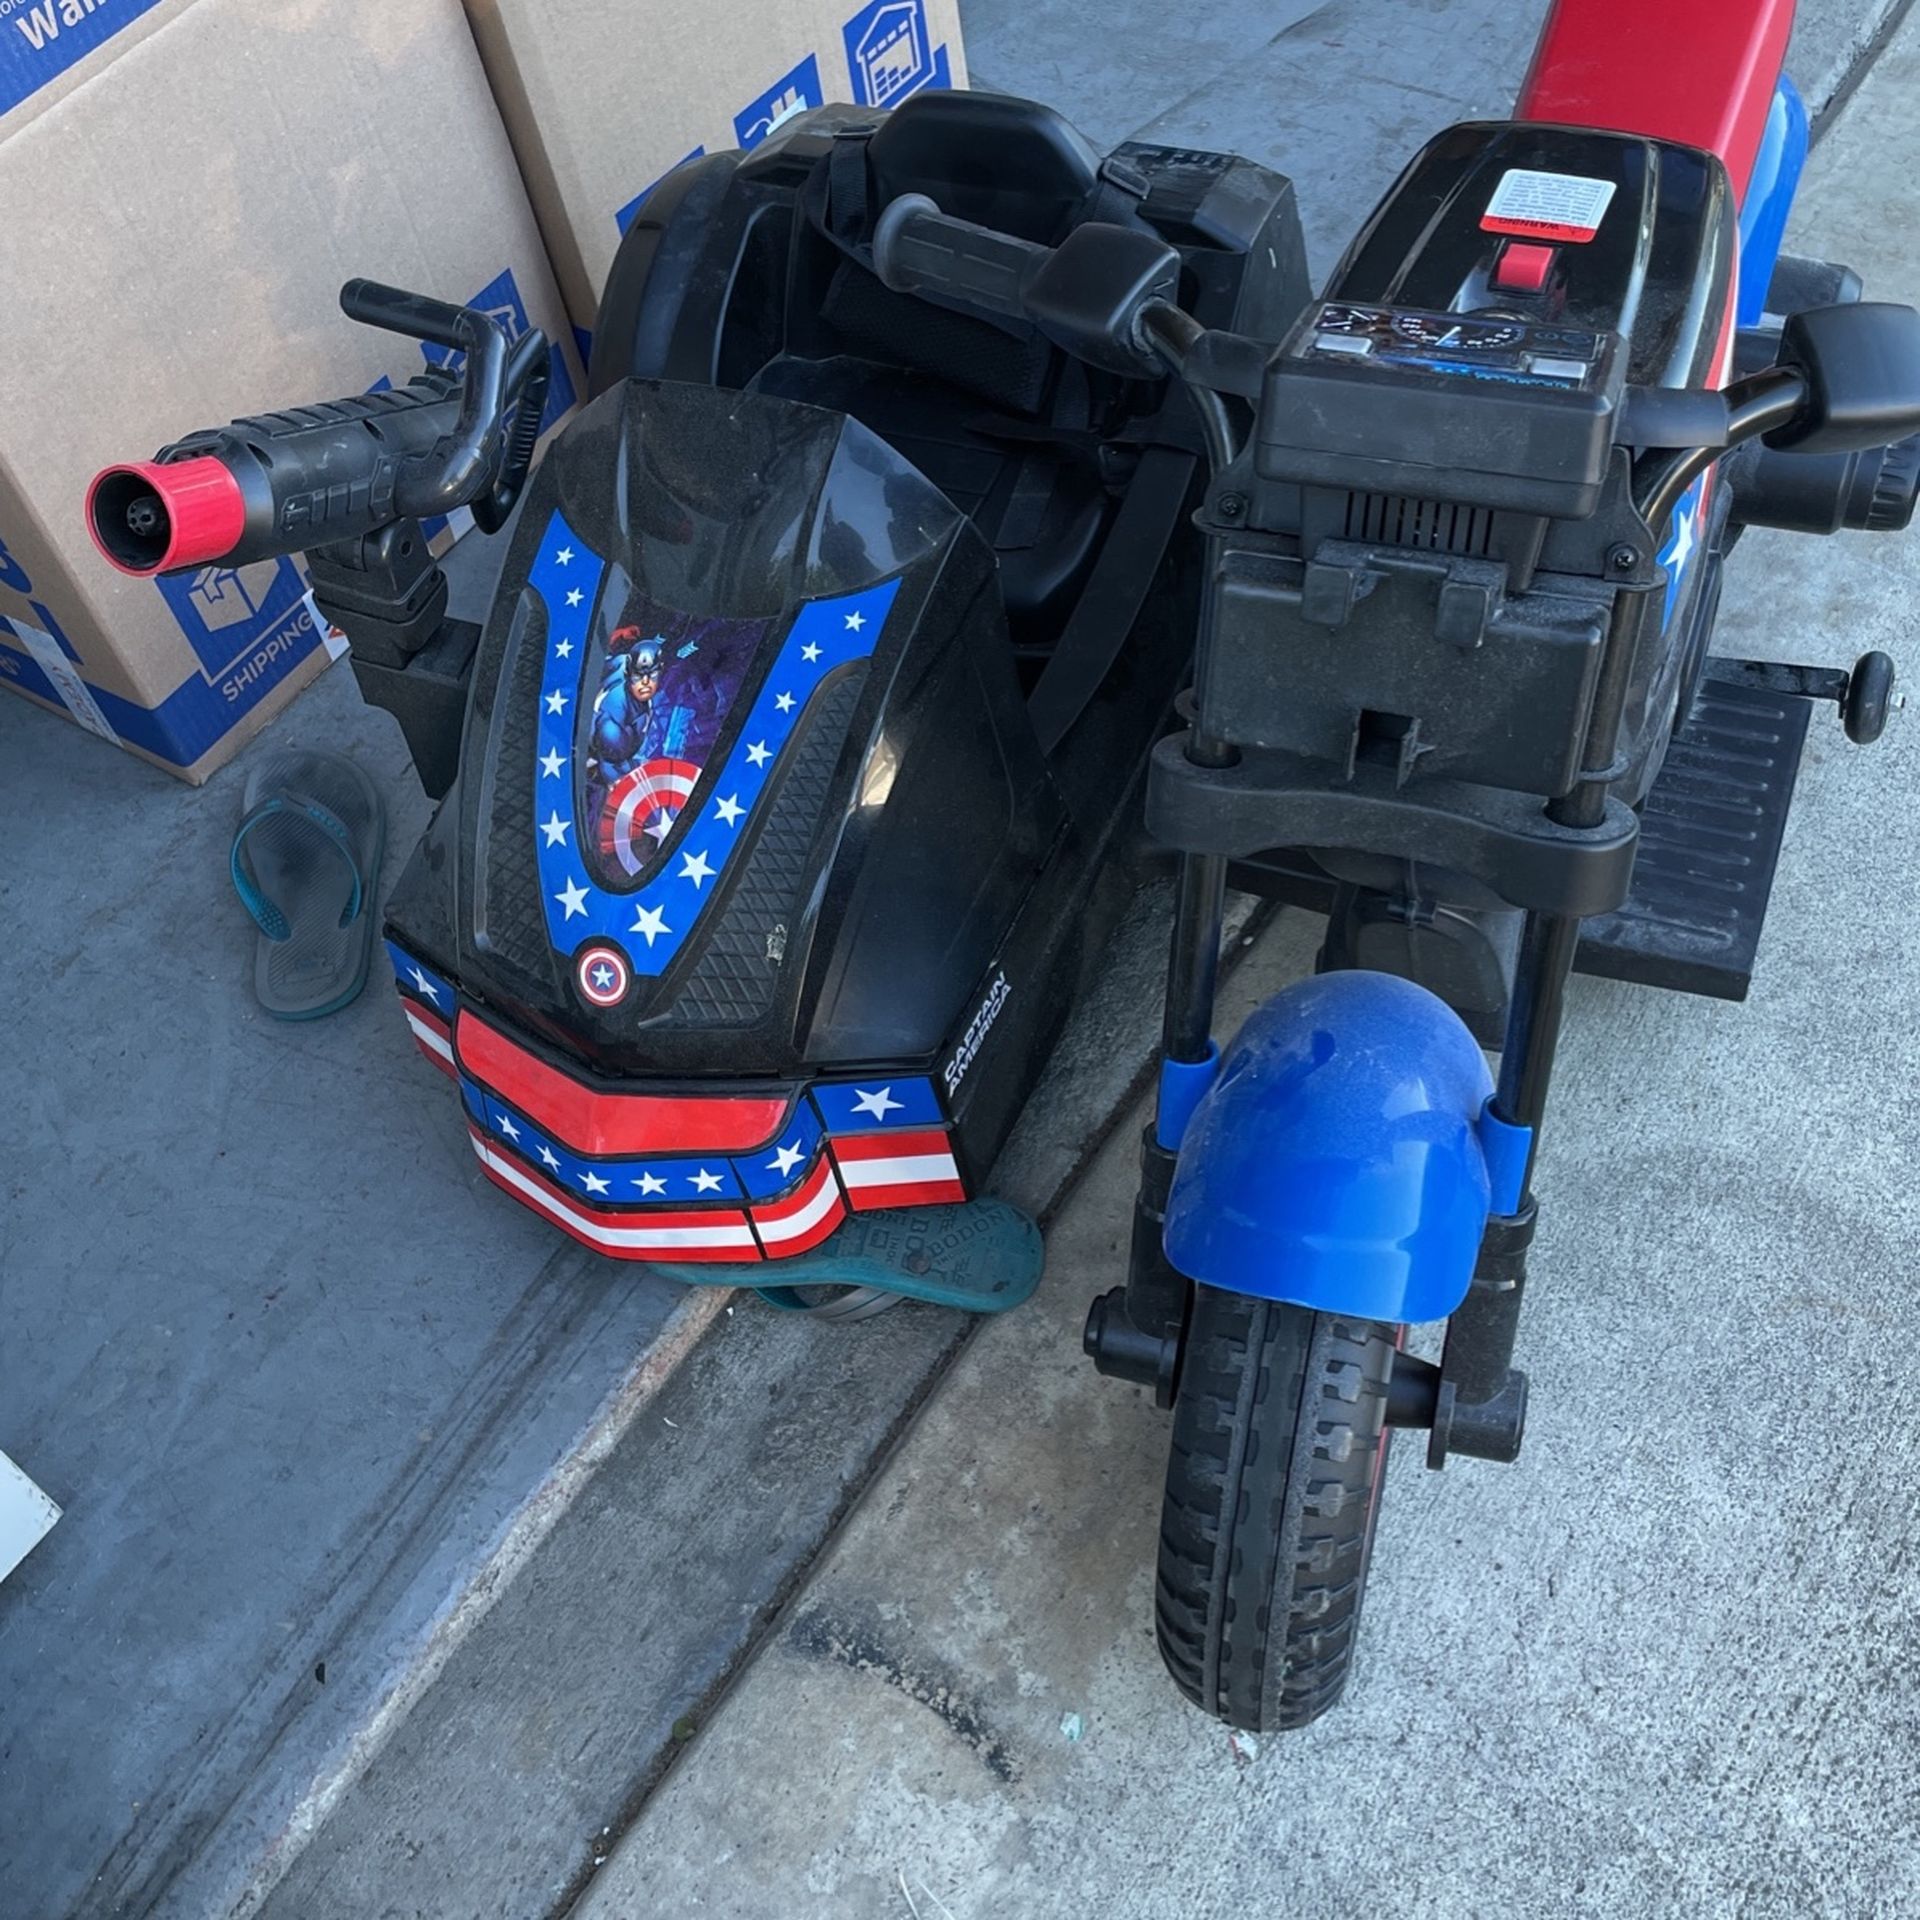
[638,812]
[603,974]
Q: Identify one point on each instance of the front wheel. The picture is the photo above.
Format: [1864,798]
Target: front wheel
[1273,1486]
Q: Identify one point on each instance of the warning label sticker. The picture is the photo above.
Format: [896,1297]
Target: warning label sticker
[1547,206]
[65,677]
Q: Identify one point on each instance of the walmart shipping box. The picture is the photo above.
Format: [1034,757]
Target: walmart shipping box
[602,97]
[187,184]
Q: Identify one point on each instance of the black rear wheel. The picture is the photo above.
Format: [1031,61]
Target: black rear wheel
[1273,1486]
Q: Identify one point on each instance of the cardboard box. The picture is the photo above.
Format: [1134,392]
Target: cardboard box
[188,183]
[602,97]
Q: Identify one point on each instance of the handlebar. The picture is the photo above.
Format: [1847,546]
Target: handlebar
[1107,294]
[1087,295]
[281,483]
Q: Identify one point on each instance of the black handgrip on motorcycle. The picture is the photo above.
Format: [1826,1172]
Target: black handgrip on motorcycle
[281,483]
[1086,295]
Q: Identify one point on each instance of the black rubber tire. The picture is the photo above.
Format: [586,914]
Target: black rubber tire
[1273,1488]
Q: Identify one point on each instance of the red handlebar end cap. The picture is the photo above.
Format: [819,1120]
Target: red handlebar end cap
[150,516]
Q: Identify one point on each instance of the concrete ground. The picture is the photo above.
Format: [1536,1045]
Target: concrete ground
[1663,1665]
[264,1334]
[360,1464]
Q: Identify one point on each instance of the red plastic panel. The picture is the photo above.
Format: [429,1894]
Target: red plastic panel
[1698,72]
[610,1124]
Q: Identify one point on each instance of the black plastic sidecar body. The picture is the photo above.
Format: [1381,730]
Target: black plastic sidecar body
[830,643]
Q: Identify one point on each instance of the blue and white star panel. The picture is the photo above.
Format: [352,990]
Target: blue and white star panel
[864,1106]
[786,1156]
[427,999]
[653,921]
[684,1180]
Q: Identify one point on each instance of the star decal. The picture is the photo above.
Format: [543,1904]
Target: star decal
[810,652]
[696,869]
[573,896]
[1677,554]
[855,621]
[564,555]
[758,754]
[651,1183]
[783,702]
[551,1158]
[1682,549]
[555,829]
[705,1182]
[574,596]
[556,701]
[652,922]
[551,762]
[593,1183]
[659,826]
[729,809]
[564,650]
[602,975]
[421,984]
[879,1103]
[507,1127]
[786,1159]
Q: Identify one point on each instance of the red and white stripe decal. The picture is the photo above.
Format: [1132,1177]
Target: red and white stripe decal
[903,1169]
[715,1235]
[435,1041]
[805,1218]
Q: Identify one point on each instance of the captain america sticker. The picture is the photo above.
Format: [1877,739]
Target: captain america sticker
[603,975]
[1547,206]
[664,684]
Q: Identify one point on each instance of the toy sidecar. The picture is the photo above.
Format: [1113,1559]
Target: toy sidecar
[817,689]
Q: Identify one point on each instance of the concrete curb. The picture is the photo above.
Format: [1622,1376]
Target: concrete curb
[522,1539]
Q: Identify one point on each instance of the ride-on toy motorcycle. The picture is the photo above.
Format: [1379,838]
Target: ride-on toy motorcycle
[1452,573]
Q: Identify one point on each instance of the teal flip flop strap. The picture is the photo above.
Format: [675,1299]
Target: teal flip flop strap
[266,915]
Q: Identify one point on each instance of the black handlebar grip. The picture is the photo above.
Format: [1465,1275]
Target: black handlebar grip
[1087,295]
[919,249]
[286,482]
[417,315]
[276,483]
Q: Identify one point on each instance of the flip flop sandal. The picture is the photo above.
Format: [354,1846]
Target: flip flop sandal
[305,862]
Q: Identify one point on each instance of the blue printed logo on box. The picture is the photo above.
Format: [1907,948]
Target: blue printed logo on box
[248,628]
[41,39]
[230,614]
[890,53]
[792,93]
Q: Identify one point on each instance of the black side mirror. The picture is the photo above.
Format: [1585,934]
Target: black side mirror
[1861,363]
